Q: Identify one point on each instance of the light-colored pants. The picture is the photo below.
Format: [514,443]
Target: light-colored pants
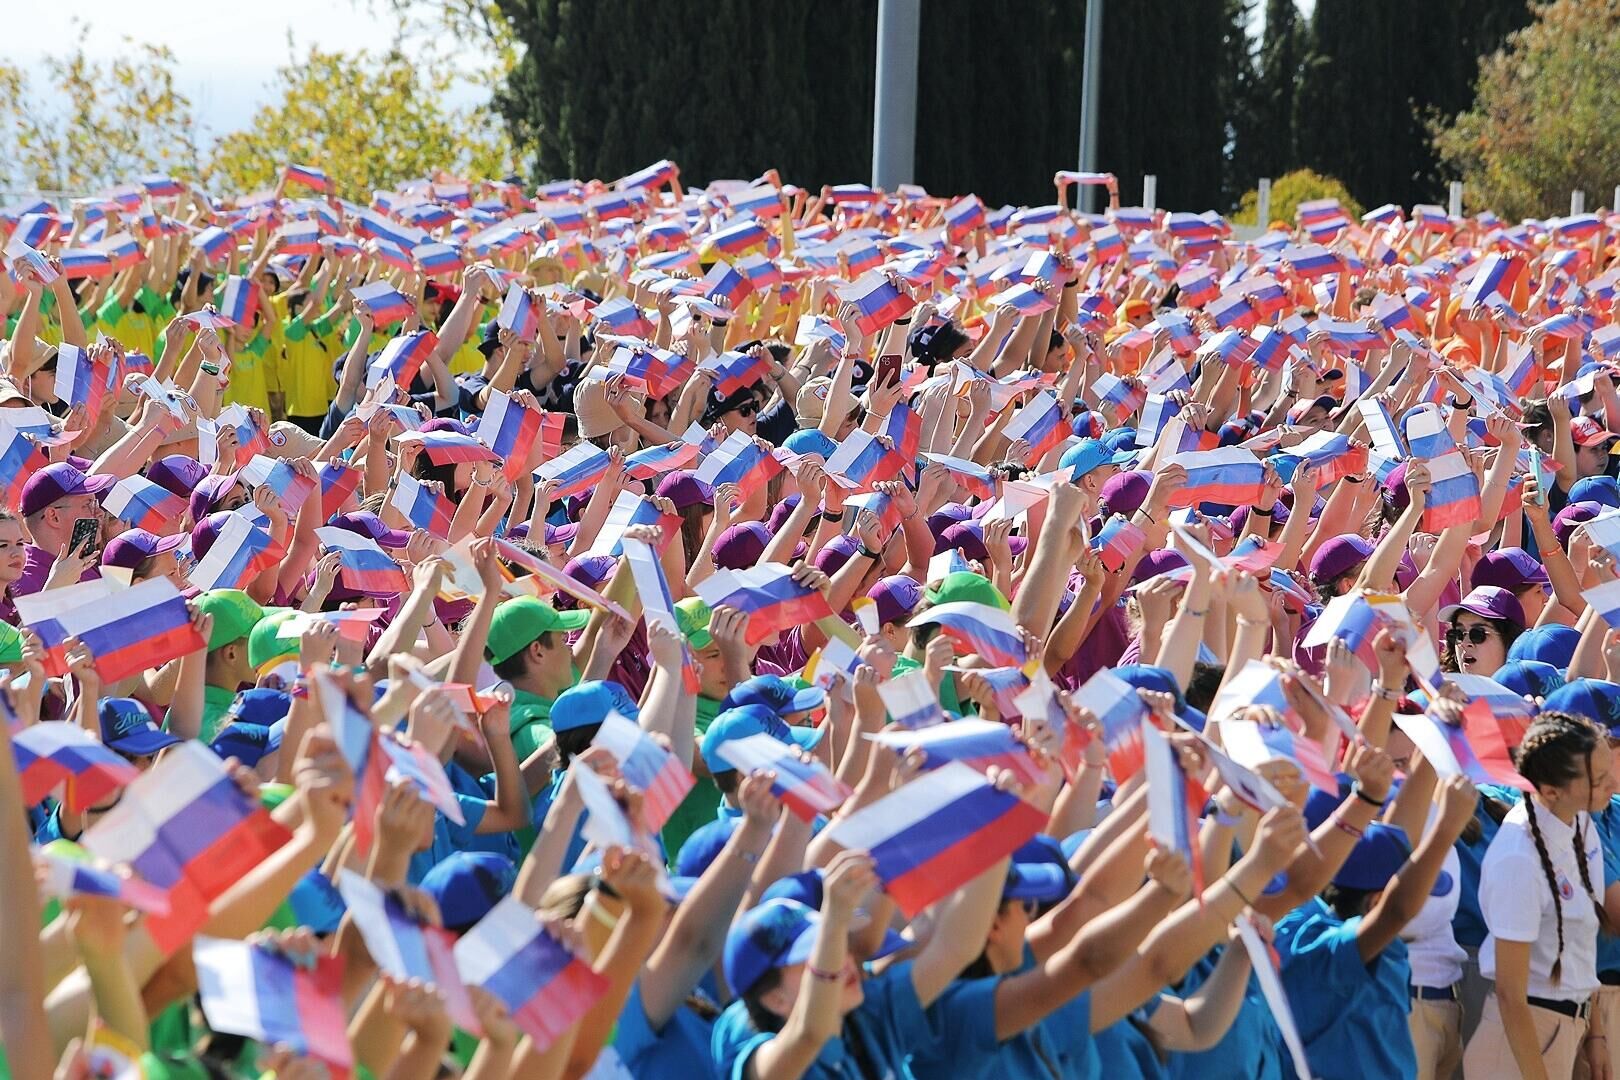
[1437,1038]
[1489,1056]
[1606,1001]
[1472,990]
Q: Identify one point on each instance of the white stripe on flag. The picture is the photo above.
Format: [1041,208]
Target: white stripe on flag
[906,806]
[485,949]
[230,994]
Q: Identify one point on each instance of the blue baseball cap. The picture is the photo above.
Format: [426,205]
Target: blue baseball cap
[1603,490]
[746,720]
[700,849]
[316,903]
[1039,871]
[1377,857]
[589,703]
[260,706]
[1089,454]
[778,933]
[245,742]
[1161,680]
[776,694]
[1550,644]
[1120,440]
[127,727]
[807,889]
[810,441]
[1595,699]
[467,884]
[1529,678]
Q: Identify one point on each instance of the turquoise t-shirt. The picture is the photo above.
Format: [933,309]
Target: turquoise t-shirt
[1251,1047]
[677,1051]
[964,1044]
[1352,1017]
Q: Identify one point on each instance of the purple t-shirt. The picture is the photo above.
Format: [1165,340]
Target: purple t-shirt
[37,567]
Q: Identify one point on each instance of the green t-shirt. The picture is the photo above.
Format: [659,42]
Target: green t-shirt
[216,703]
[702,803]
[530,723]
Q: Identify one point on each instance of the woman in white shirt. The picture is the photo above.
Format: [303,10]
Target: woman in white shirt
[1536,894]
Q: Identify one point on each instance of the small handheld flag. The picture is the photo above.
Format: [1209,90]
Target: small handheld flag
[911,701]
[979,628]
[62,878]
[1120,710]
[422,507]
[241,552]
[405,947]
[385,302]
[63,755]
[646,766]
[266,995]
[978,743]
[129,630]
[806,788]
[366,567]
[769,594]
[937,833]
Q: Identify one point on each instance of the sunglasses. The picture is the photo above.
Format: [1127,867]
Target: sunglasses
[1474,635]
[747,408]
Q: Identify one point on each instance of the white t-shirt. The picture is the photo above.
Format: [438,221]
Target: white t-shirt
[1518,905]
[1431,948]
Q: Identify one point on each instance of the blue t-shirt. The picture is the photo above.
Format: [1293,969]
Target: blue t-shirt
[1468,925]
[1352,1017]
[448,837]
[482,788]
[1608,830]
[1125,1050]
[964,1044]
[678,1051]
[875,1041]
[1251,1047]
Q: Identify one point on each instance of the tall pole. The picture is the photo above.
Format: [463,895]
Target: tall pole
[1089,95]
[894,108]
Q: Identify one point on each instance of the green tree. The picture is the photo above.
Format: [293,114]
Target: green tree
[1547,117]
[83,124]
[1272,148]
[369,120]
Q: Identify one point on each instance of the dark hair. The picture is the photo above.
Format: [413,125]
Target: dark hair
[1346,903]
[1557,750]
[1204,684]
[693,529]
[1506,629]
[727,781]
[575,741]
[517,665]
[444,474]
[764,1020]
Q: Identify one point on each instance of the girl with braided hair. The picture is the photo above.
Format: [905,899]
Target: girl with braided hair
[1537,895]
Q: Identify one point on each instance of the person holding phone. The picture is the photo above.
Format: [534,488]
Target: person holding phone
[62,515]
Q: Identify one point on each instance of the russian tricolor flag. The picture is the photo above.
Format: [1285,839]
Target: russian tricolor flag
[1120,710]
[1175,800]
[289,485]
[422,507]
[160,185]
[1332,454]
[80,263]
[661,778]
[1117,541]
[123,250]
[862,461]
[963,216]
[1577,226]
[241,552]
[934,835]
[806,788]
[740,461]
[1311,261]
[1039,424]
[388,253]
[978,479]
[518,313]
[580,468]
[622,316]
[386,303]
[406,948]
[63,755]
[1496,276]
[723,284]
[1121,397]
[773,600]
[1453,493]
[976,743]
[437,260]
[545,986]
[309,176]
[142,504]
[1427,434]
[510,430]
[760,270]
[365,567]
[1230,475]
[735,370]
[214,242]
[879,302]
[339,480]
[268,996]
[655,461]
[979,628]
[402,357]
[186,828]
[80,380]
[20,458]
[739,236]
[449,447]
[128,629]
[64,878]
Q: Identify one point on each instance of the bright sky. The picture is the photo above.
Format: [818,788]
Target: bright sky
[226,54]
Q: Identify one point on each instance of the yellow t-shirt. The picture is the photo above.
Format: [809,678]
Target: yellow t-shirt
[249,385]
[306,366]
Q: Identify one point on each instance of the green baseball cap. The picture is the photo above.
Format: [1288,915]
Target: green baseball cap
[264,647]
[964,585]
[10,644]
[235,614]
[692,616]
[520,621]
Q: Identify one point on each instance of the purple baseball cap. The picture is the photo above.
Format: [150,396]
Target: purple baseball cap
[589,570]
[1155,563]
[684,489]
[209,492]
[948,515]
[132,547]
[59,481]
[1125,492]
[830,559]
[968,537]
[1395,487]
[177,474]
[445,423]
[365,523]
[1572,515]
[741,545]
[1340,555]
[896,597]
[206,531]
[1510,568]
[780,512]
[1488,602]
[561,534]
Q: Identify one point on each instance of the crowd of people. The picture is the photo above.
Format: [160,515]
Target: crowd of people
[631,629]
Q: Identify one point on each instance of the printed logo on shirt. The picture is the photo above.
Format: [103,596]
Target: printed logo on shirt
[1565,889]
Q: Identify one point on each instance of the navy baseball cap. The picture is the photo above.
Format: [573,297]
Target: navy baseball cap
[1595,699]
[700,849]
[746,720]
[247,743]
[589,703]
[467,884]
[127,727]
[776,694]
[260,706]
[778,933]
[1377,857]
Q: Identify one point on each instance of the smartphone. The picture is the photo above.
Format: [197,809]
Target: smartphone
[888,370]
[86,532]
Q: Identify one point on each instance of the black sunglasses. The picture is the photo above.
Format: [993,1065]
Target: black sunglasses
[1474,635]
[747,408]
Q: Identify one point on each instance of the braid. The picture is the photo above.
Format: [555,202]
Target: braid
[1552,883]
[1586,875]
